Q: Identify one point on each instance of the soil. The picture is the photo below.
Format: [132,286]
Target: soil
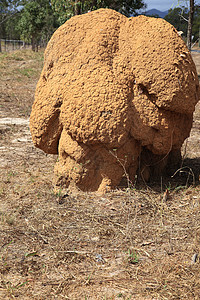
[139,242]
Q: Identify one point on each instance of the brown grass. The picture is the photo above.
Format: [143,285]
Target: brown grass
[138,243]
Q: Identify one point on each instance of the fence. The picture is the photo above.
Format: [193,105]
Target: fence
[11,45]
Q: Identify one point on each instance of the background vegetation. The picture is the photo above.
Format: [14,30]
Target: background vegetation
[179,17]
[34,21]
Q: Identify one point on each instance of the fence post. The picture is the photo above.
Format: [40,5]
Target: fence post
[10,45]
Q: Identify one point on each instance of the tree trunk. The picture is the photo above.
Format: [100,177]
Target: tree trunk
[94,4]
[77,8]
[33,43]
[199,36]
[190,23]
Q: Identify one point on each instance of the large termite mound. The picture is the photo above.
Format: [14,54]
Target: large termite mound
[114,91]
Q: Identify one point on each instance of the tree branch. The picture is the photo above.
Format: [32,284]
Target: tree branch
[183,18]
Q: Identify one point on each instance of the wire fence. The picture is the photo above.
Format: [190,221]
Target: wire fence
[11,45]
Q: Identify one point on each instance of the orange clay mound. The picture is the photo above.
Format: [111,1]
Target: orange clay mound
[113,91]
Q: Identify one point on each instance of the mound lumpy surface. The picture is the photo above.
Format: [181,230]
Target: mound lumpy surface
[112,82]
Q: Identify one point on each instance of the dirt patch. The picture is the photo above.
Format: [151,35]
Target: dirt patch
[195,56]
[138,243]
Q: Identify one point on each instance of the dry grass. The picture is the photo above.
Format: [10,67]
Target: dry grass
[138,243]
[19,72]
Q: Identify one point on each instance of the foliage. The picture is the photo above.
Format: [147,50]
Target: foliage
[196,23]
[36,20]
[126,7]
[189,21]
[66,9]
[11,30]
[3,11]
[177,17]
[9,15]
[3,5]
[153,16]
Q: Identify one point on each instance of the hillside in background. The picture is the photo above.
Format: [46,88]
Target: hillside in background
[154,11]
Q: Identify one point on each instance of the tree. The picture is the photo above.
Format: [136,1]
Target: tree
[11,31]
[186,20]
[9,14]
[3,11]
[153,16]
[128,8]
[196,23]
[177,17]
[190,23]
[36,18]
[66,9]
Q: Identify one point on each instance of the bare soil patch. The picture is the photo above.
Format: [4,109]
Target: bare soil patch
[137,243]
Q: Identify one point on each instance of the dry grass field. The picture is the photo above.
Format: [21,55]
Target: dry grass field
[141,242]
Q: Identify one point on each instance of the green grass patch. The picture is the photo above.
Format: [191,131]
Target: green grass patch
[28,72]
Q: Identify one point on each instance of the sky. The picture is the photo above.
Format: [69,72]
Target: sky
[164,5]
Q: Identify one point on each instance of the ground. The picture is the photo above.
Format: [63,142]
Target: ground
[138,242]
